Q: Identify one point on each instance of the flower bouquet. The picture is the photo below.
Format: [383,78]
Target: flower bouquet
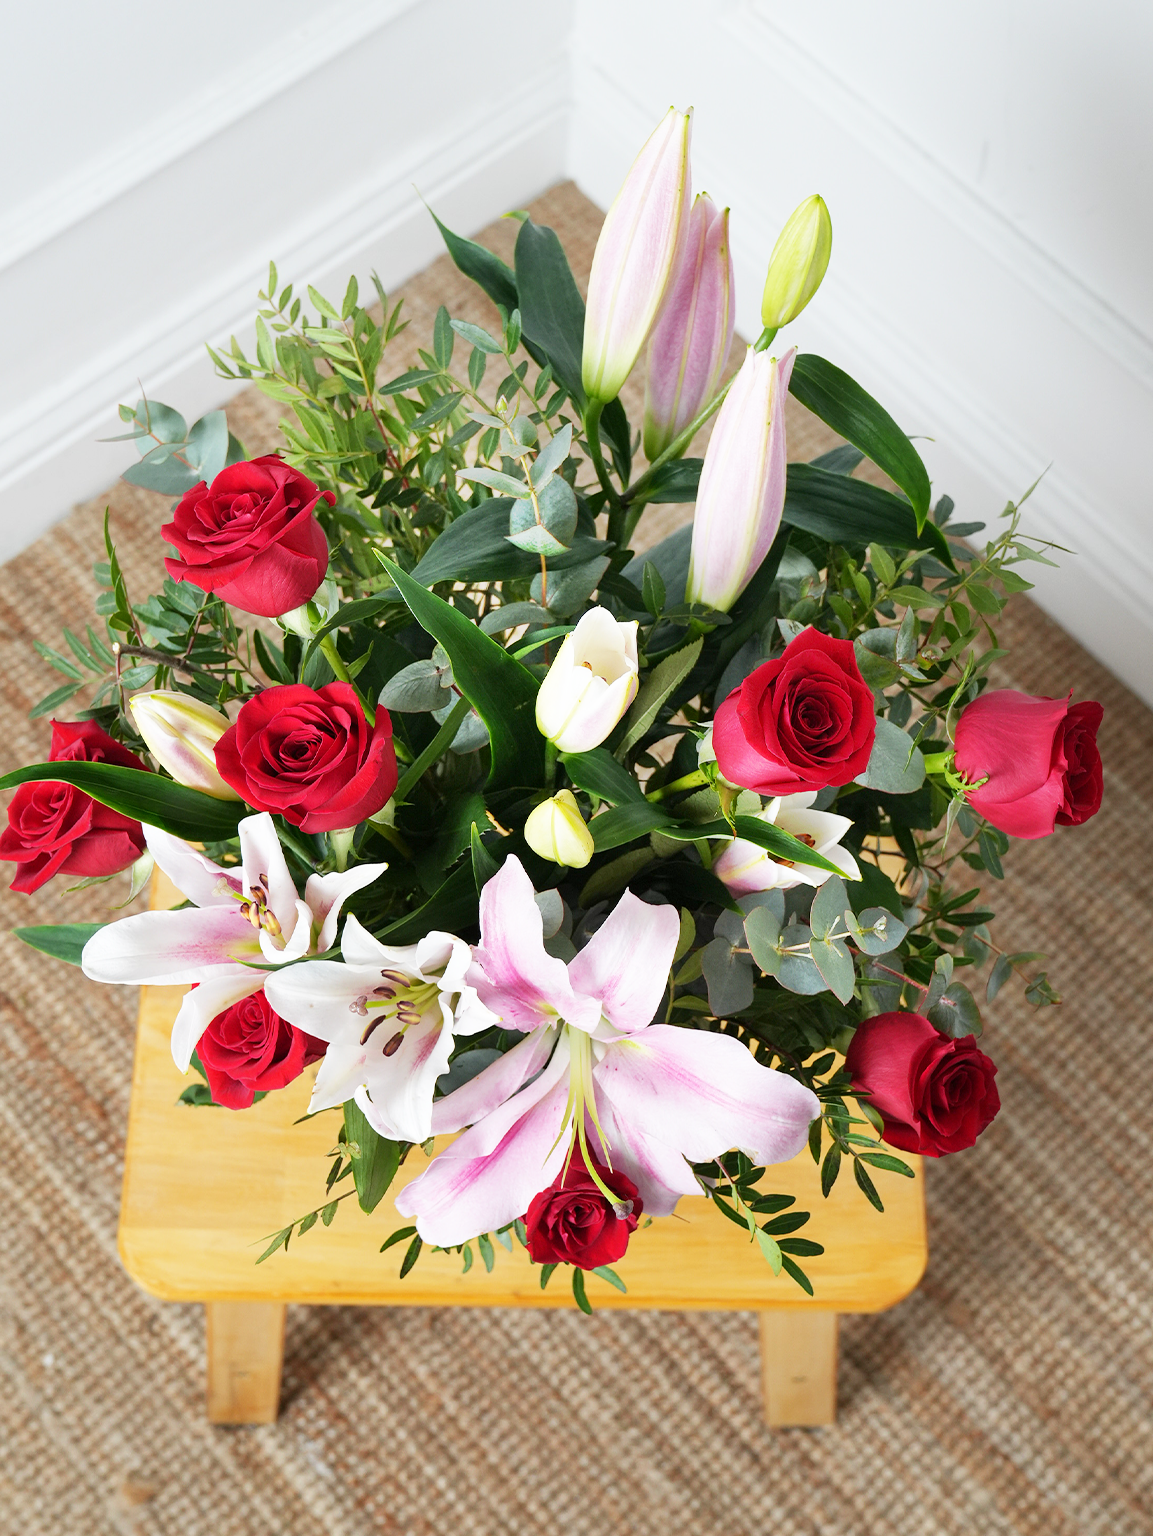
[627,876]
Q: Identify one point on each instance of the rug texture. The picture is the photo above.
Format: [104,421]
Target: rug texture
[1009,1396]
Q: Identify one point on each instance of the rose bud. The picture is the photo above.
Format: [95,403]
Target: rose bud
[591,683]
[745,867]
[635,257]
[572,1222]
[249,1049]
[801,721]
[308,754]
[251,537]
[935,1095]
[741,495]
[181,733]
[798,264]
[54,828]
[1038,758]
[557,831]
[690,342]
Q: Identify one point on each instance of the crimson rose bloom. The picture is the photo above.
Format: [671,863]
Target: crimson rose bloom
[249,1049]
[571,1222]
[53,827]
[935,1095]
[1040,756]
[800,722]
[251,537]
[307,754]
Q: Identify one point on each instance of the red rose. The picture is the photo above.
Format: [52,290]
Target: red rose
[249,1049]
[571,1222]
[935,1095]
[53,827]
[800,722]
[1039,756]
[251,537]
[307,754]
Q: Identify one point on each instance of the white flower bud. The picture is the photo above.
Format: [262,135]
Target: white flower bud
[557,831]
[591,683]
[181,734]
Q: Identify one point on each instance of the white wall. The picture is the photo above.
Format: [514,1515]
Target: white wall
[988,168]
[155,160]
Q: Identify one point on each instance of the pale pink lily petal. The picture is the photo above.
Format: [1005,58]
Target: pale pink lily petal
[487,1177]
[690,342]
[626,962]
[197,878]
[198,1007]
[489,1089]
[326,894]
[396,1095]
[635,257]
[513,975]
[170,947]
[659,1172]
[742,489]
[702,1094]
[316,997]
[264,867]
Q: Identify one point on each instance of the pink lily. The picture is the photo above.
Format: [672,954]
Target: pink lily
[251,915]
[636,256]
[651,1098]
[742,489]
[690,342]
[388,1013]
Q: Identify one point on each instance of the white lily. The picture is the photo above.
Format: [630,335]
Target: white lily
[388,1013]
[250,914]
[650,1098]
[746,867]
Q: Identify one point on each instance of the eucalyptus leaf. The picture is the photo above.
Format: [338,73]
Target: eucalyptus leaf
[955,1013]
[832,959]
[728,977]
[763,931]
[828,907]
[896,766]
[418,688]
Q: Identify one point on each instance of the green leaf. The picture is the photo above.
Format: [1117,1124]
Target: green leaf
[475,547]
[484,1243]
[546,1274]
[888,1162]
[485,269]
[578,1290]
[598,772]
[603,1272]
[146,797]
[443,337]
[835,964]
[477,337]
[411,1255]
[855,513]
[677,480]
[653,588]
[626,822]
[436,748]
[63,941]
[53,700]
[795,1272]
[867,1187]
[373,1171]
[842,404]
[656,688]
[955,1012]
[551,309]
[829,1169]
[998,976]
[396,1237]
[484,866]
[451,907]
[896,766]
[499,688]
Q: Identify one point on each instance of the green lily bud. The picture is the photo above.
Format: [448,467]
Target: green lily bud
[798,264]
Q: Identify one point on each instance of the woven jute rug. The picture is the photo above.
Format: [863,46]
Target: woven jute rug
[1010,1394]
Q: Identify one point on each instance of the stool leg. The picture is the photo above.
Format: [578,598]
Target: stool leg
[245,1353]
[799,1366]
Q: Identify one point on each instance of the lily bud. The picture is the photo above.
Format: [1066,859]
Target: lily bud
[181,734]
[742,488]
[798,264]
[307,619]
[557,831]
[635,257]
[591,683]
[690,343]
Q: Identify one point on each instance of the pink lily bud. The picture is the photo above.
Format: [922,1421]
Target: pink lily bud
[742,490]
[690,342]
[636,256]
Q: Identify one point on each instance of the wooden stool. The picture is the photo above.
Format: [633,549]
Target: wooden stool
[204,1187]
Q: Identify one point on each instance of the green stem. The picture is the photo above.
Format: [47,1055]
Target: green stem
[334,658]
[550,757]
[765,340]
[592,416]
[690,781]
[678,444]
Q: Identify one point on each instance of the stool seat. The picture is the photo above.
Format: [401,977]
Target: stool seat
[204,1189]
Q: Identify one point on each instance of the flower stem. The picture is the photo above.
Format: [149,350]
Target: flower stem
[677,446]
[690,781]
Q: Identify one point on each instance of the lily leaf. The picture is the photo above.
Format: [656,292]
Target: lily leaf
[499,688]
[63,941]
[144,796]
